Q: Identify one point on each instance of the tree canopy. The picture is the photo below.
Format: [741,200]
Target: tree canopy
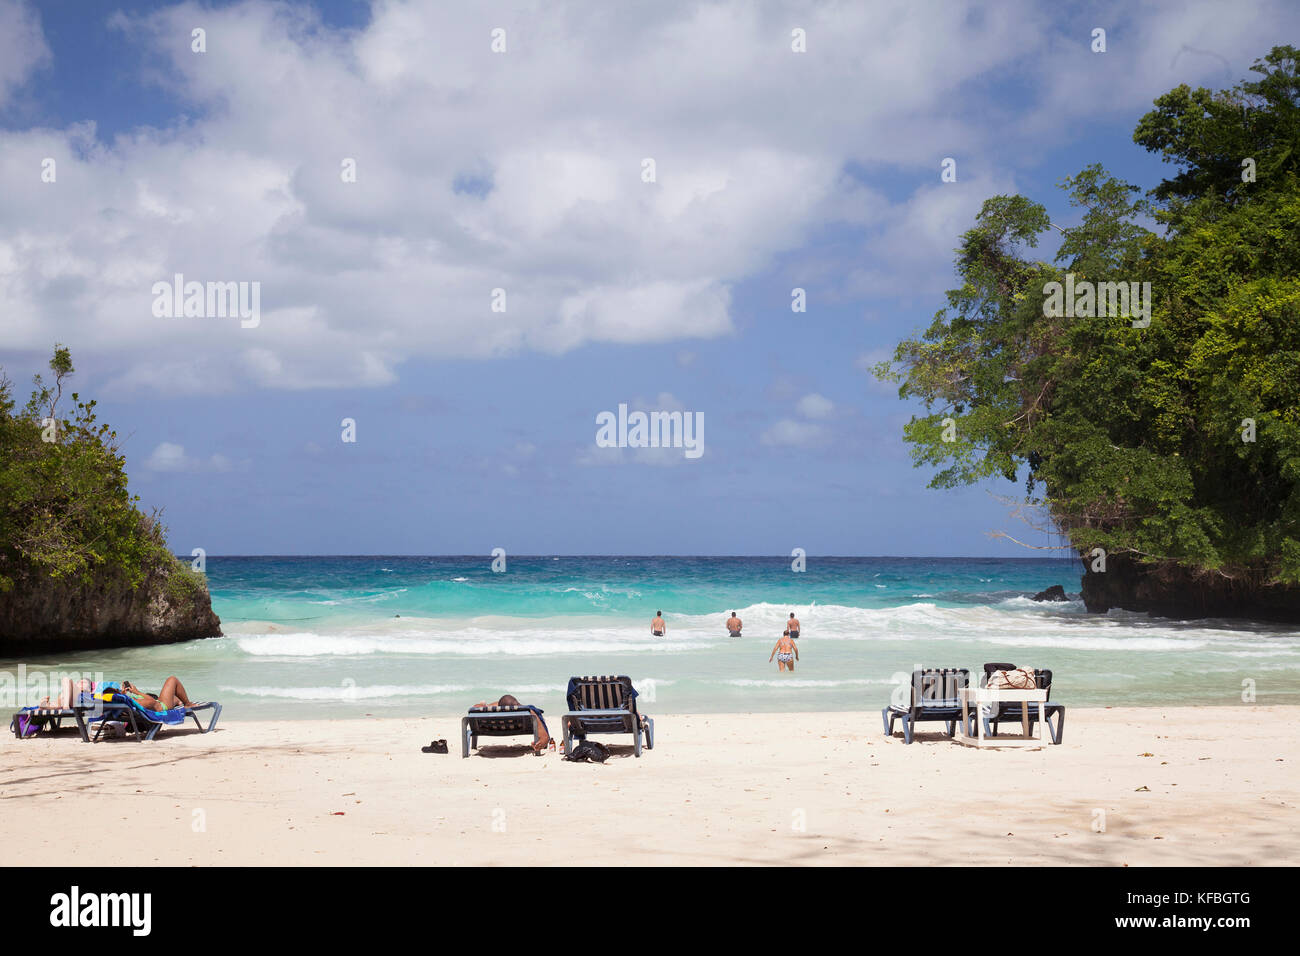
[1174,442]
[65,511]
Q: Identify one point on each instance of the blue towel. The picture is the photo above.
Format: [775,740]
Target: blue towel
[539,717]
[174,716]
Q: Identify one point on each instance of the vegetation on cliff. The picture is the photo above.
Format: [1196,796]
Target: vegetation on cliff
[70,529]
[1174,443]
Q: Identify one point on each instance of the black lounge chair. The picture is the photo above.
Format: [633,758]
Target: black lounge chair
[1011,711]
[497,720]
[983,710]
[934,698]
[604,705]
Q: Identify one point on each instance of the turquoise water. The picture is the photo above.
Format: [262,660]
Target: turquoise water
[390,636]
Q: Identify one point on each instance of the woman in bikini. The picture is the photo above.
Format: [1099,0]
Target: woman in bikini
[172,693]
[786,653]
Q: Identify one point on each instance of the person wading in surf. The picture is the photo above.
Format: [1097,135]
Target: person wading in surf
[786,653]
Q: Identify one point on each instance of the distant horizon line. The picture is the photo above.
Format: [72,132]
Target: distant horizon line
[780,557]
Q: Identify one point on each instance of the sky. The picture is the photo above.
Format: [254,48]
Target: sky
[462,250]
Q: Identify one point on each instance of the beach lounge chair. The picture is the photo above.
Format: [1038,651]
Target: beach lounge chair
[1011,711]
[933,698]
[495,720]
[145,724]
[604,705]
[33,721]
[984,710]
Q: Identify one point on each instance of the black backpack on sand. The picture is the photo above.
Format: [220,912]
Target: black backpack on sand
[588,750]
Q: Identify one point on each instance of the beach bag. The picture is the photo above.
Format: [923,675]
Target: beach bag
[24,725]
[589,750]
[1021,678]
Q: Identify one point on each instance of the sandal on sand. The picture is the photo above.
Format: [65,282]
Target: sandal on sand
[435,747]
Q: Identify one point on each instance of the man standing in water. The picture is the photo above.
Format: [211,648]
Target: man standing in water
[657,626]
[734,625]
[793,628]
[786,653]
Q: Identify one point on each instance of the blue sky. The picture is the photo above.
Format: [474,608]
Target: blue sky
[476,429]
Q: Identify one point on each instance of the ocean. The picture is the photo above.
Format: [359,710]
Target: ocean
[319,637]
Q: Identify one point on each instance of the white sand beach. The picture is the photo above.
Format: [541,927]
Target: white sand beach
[1186,786]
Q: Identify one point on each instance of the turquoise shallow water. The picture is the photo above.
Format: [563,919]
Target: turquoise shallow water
[322,636]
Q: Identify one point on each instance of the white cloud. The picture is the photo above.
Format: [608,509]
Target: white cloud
[168,457]
[171,457]
[750,143]
[815,406]
[795,434]
[22,46]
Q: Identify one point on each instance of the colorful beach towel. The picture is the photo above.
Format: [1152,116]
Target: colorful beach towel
[174,716]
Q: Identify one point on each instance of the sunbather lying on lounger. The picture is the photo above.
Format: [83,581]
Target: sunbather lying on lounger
[172,693]
[69,693]
[539,725]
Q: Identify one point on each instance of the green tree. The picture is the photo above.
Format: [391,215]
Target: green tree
[65,510]
[1133,438]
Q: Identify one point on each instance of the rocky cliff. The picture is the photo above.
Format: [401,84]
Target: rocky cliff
[40,614]
[1175,591]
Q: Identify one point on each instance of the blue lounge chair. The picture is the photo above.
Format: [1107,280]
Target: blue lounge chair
[604,705]
[1011,711]
[933,698]
[34,721]
[496,720]
[145,724]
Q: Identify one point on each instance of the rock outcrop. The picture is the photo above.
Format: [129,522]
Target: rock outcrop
[1054,593]
[41,614]
[1176,591]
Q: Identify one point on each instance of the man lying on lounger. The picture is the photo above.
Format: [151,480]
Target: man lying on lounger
[539,725]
